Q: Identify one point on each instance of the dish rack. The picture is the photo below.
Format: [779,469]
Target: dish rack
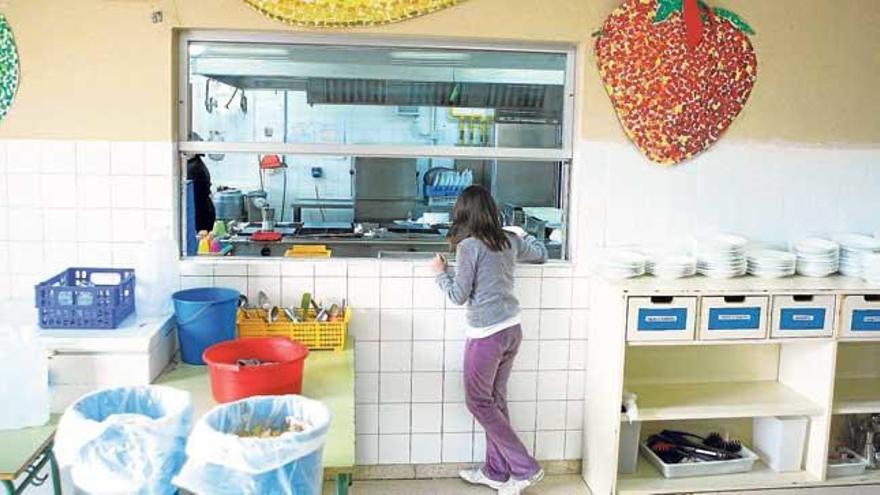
[316,335]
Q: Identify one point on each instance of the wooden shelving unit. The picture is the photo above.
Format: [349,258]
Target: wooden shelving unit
[727,400]
[857,395]
[648,480]
[723,381]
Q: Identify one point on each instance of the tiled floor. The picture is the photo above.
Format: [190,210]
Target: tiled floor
[552,485]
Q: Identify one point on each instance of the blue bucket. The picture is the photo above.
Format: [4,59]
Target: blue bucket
[205,316]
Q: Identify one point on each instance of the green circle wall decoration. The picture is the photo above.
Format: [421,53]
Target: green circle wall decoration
[8,67]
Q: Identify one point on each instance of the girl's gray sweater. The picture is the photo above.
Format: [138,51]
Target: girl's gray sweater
[484,278]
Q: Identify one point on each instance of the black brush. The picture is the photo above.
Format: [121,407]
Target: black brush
[715,440]
[666,451]
[699,450]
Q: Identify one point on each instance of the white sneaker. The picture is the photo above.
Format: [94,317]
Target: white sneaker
[516,487]
[476,477]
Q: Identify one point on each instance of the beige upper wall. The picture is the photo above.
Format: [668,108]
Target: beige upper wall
[98,69]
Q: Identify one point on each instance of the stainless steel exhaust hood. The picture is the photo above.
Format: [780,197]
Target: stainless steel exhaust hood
[390,76]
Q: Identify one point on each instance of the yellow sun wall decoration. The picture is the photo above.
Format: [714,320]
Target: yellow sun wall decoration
[346,13]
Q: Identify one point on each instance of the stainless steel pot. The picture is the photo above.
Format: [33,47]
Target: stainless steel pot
[229,204]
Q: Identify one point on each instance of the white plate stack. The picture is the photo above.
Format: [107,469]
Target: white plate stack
[671,266]
[817,257]
[621,264]
[722,256]
[853,249]
[871,265]
[771,263]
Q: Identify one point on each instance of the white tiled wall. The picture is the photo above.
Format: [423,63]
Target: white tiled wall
[64,203]
[772,192]
[409,346]
[69,203]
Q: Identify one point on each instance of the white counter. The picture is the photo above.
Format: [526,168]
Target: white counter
[81,361]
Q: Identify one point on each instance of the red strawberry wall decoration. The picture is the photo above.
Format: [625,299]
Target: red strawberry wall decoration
[677,72]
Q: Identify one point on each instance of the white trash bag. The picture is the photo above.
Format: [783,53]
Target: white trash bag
[125,440]
[221,462]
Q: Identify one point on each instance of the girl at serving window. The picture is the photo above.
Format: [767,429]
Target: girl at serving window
[486,255]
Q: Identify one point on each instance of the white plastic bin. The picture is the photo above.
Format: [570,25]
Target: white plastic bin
[802,315]
[860,316]
[733,317]
[780,441]
[628,455]
[661,318]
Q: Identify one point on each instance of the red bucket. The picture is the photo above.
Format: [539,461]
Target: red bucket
[281,376]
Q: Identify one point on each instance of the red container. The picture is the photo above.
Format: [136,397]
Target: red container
[231,382]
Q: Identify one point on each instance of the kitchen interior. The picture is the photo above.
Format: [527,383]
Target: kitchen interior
[374,203]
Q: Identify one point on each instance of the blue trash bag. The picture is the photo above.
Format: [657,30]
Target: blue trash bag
[125,439]
[220,462]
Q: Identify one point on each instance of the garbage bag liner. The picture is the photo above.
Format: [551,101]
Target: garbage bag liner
[220,461]
[125,439]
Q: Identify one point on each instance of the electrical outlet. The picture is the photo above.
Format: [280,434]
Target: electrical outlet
[317,172]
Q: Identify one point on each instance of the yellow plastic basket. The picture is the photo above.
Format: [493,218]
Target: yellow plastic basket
[305,251]
[316,335]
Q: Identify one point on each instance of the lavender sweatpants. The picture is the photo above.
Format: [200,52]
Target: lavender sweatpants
[487,365]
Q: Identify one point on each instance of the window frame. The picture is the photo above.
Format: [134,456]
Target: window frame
[564,155]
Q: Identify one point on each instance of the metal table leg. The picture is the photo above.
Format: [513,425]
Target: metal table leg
[343,481]
[56,476]
[33,478]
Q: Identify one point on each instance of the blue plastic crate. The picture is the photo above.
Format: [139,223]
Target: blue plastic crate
[72,299]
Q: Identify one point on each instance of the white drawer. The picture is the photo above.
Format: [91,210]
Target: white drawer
[802,315]
[733,317]
[661,318]
[860,316]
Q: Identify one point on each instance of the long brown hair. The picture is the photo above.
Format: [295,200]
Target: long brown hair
[475,214]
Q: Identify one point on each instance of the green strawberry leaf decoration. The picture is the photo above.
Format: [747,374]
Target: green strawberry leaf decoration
[733,19]
[9,69]
[665,8]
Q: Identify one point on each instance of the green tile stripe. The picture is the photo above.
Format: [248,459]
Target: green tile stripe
[8,67]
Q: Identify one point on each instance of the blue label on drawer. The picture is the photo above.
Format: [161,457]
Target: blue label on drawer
[802,319]
[662,320]
[734,318]
[866,320]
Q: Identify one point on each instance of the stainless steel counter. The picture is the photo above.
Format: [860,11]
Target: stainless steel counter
[360,247]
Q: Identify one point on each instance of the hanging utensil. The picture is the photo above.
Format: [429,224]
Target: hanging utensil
[243,305]
[274,312]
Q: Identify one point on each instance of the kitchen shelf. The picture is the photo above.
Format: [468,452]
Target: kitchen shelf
[658,402]
[869,477]
[647,480]
[724,382]
[857,395]
[685,343]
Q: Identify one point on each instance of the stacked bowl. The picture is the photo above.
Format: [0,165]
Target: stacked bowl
[621,264]
[854,248]
[771,263]
[817,257]
[722,256]
[671,266]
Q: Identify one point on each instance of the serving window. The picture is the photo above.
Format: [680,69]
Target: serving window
[363,148]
